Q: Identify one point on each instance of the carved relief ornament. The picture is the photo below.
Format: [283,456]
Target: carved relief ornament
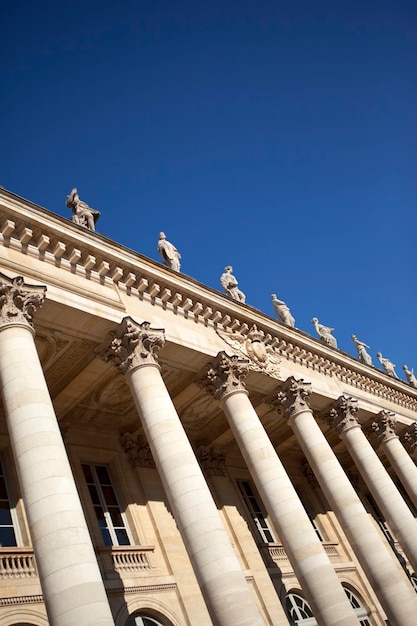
[342,414]
[138,451]
[225,376]
[212,460]
[18,301]
[261,357]
[132,345]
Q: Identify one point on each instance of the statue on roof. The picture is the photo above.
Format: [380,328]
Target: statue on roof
[411,379]
[388,366]
[360,346]
[230,285]
[83,215]
[324,333]
[282,311]
[169,253]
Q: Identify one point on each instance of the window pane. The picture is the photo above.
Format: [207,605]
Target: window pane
[103,475]
[109,495]
[122,538]
[7,537]
[5,517]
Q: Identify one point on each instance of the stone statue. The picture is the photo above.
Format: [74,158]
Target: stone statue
[388,366]
[363,356]
[282,311]
[412,380]
[169,253]
[324,333]
[83,215]
[230,285]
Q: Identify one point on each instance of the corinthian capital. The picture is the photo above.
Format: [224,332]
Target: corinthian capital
[409,440]
[225,375]
[18,301]
[293,397]
[383,427]
[342,414]
[132,345]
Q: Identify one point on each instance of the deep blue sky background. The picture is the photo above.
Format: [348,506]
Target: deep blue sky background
[277,137]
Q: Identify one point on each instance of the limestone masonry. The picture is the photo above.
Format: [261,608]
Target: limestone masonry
[171,456]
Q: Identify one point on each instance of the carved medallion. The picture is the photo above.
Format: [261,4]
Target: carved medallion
[261,356]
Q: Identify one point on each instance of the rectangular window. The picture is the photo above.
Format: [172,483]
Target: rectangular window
[111,520]
[256,511]
[7,531]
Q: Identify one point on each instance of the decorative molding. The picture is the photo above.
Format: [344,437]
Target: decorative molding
[36,599]
[225,376]
[137,450]
[261,356]
[132,345]
[142,588]
[293,397]
[212,460]
[19,301]
[140,275]
[342,414]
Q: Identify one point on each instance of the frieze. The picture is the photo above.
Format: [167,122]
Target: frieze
[212,460]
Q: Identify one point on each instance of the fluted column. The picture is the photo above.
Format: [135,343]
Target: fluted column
[342,416]
[133,348]
[394,592]
[384,429]
[70,579]
[302,546]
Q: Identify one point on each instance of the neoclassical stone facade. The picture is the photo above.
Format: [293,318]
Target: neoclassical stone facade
[170,456]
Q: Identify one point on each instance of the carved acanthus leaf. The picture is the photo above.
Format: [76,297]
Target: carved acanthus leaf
[18,301]
[261,356]
[383,427]
[225,376]
[342,414]
[132,345]
[293,397]
[409,440]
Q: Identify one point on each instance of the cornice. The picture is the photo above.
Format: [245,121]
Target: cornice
[39,234]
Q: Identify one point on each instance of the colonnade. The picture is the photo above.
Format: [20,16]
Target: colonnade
[69,575]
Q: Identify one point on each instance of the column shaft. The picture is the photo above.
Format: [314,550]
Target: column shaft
[386,577]
[403,465]
[216,566]
[304,550]
[387,496]
[71,583]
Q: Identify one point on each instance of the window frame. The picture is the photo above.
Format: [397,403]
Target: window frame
[259,516]
[109,527]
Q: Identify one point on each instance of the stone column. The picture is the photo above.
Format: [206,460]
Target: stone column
[134,350]
[384,428]
[389,582]
[302,546]
[69,575]
[386,495]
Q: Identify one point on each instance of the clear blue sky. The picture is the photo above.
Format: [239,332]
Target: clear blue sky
[278,137]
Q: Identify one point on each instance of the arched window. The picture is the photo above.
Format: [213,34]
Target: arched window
[298,610]
[360,611]
[143,620]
